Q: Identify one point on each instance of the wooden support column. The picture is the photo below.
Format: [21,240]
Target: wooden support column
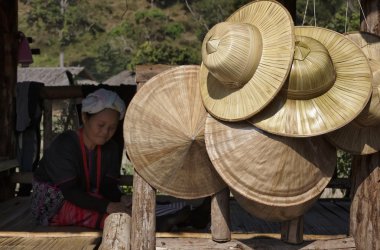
[143,235]
[220,216]
[291,6]
[371,10]
[8,78]
[365,205]
[8,75]
[292,231]
[143,215]
[365,192]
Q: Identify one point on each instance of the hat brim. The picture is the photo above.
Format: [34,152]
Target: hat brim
[277,30]
[269,169]
[356,139]
[164,135]
[362,136]
[335,108]
[369,43]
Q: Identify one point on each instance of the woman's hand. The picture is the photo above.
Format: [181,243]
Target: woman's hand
[117,207]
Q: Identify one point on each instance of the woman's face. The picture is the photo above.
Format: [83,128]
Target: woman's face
[100,127]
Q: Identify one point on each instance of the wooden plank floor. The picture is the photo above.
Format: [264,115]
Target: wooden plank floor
[183,243]
[327,221]
[50,243]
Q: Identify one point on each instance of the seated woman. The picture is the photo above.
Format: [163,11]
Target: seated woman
[76,182]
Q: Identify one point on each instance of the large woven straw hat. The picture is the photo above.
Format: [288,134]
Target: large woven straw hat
[328,86]
[246,59]
[362,135]
[164,135]
[273,177]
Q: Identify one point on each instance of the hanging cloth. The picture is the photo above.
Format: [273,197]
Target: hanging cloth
[24,52]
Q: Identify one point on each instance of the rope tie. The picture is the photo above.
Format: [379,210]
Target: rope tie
[304,15]
[345,21]
[315,15]
[365,19]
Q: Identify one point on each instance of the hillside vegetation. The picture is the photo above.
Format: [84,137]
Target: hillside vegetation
[108,36]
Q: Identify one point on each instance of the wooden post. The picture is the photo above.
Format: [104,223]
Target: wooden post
[365,205]
[292,231]
[8,79]
[291,6]
[8,75]
[116,232]
[220,216]
[143,215]
[365,192]
[371,10]
[143,235]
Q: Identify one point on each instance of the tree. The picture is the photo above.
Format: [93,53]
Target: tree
[68,19]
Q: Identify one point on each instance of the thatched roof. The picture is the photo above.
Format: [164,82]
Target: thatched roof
[123,78]
[55,76]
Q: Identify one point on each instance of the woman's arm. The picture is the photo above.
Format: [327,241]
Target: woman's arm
[72,193]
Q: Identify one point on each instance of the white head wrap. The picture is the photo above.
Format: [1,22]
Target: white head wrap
[102,99]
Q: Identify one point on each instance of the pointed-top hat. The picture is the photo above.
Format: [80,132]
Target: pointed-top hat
[246,59]
[164,135]
[328,86]
[362,135]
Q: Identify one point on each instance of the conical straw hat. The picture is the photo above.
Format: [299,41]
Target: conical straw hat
[246,60]
[274,177]
[328,86]
[362,135]
[368,42]
[164,135]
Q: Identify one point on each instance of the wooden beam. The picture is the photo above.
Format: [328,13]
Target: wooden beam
[27,177]
[147,71]
[61,92]
[8,164]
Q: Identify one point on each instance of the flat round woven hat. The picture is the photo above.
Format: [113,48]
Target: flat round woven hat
[328,86]
[362,135]
[273,177]
[246,59]
[164,135]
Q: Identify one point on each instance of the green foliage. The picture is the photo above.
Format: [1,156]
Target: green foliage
[149,16]
[165,53]
[68,19]
[329,14]
[174,30]
[343,164]
[109,36]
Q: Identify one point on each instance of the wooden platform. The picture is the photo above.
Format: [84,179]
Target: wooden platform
[325,227]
